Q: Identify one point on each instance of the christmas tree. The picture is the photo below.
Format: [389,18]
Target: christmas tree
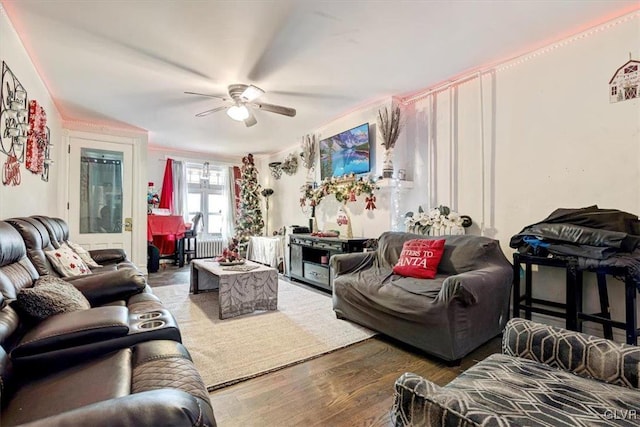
[249,220]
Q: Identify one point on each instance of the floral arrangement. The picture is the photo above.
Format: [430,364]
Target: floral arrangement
[290,164]
[345,188]
[389,125]
[440,217]
[230,253]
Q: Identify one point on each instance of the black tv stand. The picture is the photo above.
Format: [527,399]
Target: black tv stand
[309,257]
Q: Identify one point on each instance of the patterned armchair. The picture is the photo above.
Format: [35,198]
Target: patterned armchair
[545,376]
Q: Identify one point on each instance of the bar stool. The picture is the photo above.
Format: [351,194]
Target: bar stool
[572,309]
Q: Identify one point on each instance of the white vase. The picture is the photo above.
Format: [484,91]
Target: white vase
[310,176]
[387,164]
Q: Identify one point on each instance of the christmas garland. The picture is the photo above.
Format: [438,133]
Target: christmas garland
[345,188]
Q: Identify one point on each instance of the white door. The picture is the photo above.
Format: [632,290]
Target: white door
[100,193]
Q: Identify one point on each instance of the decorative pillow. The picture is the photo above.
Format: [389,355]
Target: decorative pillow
[420,258]
[51,280]
[66,262]
[83,253]
[47,299]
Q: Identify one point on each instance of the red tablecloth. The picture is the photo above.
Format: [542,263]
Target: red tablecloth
[165,231]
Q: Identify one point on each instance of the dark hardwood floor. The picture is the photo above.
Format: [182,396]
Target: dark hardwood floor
[349,387]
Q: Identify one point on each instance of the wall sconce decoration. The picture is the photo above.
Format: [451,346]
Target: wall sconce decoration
[48,161]
[14,127]
[290,164]
[276,169]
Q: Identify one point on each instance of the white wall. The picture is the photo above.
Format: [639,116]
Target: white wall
[285,202]
[33,196]
[551,137]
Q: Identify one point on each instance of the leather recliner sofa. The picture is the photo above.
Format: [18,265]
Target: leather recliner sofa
[110,259]
[99,366]
[118,282]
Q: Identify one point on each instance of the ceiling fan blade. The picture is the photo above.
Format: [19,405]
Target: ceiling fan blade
[213,110]
[224,98]
[278,109]
[251,120]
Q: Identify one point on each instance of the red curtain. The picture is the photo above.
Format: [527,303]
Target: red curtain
[166,195]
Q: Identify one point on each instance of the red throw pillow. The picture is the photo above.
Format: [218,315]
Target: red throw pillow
[420,258]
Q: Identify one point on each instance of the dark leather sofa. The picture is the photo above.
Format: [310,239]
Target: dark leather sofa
[118,363]
[117,282]
[58,230]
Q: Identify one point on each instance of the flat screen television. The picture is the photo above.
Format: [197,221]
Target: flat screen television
[345,153]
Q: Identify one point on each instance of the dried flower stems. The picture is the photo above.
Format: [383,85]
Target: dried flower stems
[309,148]
[390,126]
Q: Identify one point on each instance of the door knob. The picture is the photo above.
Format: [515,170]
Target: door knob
[128,224]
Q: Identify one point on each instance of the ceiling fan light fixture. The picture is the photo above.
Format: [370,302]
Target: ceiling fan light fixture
[251,93]
[238,112]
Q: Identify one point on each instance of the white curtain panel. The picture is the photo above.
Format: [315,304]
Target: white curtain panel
[229,211]
[180,189]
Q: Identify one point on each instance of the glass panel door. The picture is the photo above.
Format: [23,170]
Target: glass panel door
[100,185]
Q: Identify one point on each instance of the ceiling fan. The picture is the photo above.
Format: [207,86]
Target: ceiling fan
[241,104]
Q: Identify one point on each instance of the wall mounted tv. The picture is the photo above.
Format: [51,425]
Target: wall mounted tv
[345,153]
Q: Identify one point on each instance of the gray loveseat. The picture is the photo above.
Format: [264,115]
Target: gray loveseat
[545,376]
[466,305]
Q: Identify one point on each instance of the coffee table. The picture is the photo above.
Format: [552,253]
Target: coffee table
[240,292]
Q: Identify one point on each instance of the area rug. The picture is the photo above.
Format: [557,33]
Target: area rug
[233,350]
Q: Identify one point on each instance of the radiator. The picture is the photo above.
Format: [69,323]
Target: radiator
[209,248]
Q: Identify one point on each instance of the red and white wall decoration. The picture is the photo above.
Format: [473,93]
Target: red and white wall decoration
[625,81]
[36,140]
[47,155]
[24,135]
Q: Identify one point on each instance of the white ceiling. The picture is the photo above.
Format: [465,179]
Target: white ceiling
[129,62]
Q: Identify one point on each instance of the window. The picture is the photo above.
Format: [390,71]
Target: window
[100,191]
[205,193]
[614,90]
[630,92]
